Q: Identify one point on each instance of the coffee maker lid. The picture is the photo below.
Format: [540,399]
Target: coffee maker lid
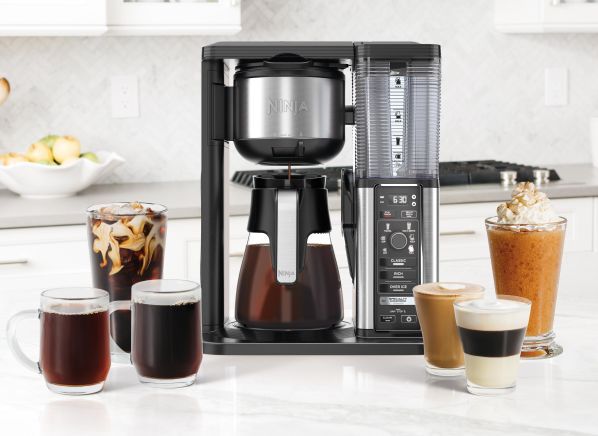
[282,181]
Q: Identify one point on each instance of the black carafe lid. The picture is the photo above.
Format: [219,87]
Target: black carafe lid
[288,211]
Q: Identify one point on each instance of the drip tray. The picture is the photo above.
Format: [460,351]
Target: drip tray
[339,340]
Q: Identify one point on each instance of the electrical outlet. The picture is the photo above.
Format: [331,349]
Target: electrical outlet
[125,96]
[556,87]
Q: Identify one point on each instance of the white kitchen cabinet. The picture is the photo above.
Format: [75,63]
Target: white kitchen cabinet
[182,254]
[595,225]
[52,17]
[546,16]
[118,17]
[35,259]
[200,17]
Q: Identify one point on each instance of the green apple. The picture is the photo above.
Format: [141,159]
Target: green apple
[38,152]
[66,147]
[49,140]
[91,156]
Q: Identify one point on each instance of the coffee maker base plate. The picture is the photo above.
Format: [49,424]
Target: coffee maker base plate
[339,340]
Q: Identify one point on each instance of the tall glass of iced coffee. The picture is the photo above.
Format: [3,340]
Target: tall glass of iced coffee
[526,245]
[126,242]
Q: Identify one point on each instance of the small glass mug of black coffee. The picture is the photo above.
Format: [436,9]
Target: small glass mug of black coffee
[166,344]
[75,340]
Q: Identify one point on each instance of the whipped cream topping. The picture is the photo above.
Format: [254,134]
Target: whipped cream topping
[527,206]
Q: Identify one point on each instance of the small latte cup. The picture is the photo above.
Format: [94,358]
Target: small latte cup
[492,332]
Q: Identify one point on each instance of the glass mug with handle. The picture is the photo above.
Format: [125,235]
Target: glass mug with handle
[74,339]
[166,343]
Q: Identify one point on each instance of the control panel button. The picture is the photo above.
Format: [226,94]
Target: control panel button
[398,241]
[398,262]
[397,274]
[387,319]
[391,300]
[409,319]
[386,288]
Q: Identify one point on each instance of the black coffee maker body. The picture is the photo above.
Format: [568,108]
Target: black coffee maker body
[284,104]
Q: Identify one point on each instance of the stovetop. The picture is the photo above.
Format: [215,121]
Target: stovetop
[473,172]
[451,173]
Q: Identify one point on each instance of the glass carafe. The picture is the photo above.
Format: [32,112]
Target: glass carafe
[314,301]
[312,298]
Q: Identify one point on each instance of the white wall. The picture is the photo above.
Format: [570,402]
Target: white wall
[493,104]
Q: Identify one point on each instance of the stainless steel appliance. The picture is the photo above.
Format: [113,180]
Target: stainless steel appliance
[283,103]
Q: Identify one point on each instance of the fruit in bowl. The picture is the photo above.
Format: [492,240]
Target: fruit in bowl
[54,166]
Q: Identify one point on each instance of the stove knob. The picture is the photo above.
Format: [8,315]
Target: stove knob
[398,240]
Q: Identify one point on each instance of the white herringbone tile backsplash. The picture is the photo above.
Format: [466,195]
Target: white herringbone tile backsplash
[493,84]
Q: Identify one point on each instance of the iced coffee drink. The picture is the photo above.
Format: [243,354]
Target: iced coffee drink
[126,243]
[434,304]
[526,245]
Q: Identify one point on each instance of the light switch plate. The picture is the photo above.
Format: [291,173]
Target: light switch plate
[125,96]
[556,87]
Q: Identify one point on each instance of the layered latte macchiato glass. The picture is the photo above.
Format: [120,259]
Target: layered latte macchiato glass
[492,331]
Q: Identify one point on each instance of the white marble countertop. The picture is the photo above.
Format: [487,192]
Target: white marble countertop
[332,395]
[183,198]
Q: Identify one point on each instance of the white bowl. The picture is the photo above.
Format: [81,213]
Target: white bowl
[34,180]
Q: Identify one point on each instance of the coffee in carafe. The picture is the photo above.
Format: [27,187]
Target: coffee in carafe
[289,278]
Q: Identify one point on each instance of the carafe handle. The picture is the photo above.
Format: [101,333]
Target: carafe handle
[13,343]
[286,236]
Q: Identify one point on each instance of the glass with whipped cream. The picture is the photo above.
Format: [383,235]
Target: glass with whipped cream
[492,332]
[526,241]
[126,242]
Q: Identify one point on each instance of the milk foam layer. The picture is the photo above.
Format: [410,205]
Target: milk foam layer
[449,289]
[492,315]
[527,206]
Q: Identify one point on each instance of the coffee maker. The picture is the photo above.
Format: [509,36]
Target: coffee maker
[283,103]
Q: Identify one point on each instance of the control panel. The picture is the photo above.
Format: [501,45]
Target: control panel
[398,214]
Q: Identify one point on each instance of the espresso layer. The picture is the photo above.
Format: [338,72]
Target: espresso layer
[484,343]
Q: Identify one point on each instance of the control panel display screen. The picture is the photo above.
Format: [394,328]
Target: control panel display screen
[397,199]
